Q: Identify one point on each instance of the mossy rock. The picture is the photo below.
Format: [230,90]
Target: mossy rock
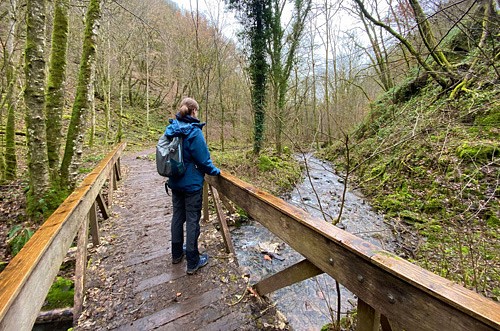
[60,295]
[411,217]
[490,120]
[478,152]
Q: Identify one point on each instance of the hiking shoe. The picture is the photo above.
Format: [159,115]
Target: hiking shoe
[201,263]
[179,259]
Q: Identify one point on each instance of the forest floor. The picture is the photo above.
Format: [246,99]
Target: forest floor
[132,283]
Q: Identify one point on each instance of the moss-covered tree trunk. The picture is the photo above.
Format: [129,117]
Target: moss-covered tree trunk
[34,98]
[10,100]
[83,98]
[258,72]
[425,29]
[281,64]
[54,102]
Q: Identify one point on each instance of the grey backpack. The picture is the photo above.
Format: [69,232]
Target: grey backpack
[169,161]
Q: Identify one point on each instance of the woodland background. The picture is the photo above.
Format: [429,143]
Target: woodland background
[401,94]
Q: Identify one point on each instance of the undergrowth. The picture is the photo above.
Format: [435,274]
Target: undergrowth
[432,165]
[274,173]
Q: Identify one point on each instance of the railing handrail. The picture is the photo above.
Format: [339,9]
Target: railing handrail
[28,277]
[403,292]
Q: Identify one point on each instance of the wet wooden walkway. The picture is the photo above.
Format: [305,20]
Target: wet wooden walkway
[131,283]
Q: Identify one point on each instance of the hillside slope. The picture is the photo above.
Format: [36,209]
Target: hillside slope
[432,165]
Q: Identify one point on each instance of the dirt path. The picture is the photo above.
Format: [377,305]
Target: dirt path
[132,285]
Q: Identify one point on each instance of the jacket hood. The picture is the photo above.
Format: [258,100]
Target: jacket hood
[179,128]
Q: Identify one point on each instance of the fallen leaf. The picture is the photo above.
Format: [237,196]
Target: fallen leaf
[252,291]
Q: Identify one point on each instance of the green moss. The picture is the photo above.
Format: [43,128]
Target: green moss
[266,163]
[493,221]
[411,217]
[433,205]
[84,170]
[478,152]
[491,119]
[60,295]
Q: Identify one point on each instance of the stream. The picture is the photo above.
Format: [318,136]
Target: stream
[310,304]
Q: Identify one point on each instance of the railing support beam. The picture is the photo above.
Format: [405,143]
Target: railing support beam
[293,274]
[80,268]
[368,318]
[226,235]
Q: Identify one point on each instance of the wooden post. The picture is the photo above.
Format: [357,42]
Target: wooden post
[111,186]
[94,225]
[80,268]
[102,206]
[368,318]
[118,172]
[226,235]
[205,202]
[115,177]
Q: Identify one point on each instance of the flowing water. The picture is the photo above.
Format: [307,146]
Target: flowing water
[310,304]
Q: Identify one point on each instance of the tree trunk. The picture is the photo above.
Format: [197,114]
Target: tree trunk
[83,98]
[258,73]
[54,99]
[282,68]
[10,100]
[34,98]
[428,37]
[443,82]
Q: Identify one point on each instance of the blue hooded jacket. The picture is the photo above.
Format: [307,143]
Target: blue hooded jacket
[195,153]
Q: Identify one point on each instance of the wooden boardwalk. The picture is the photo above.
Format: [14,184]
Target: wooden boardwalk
[132,285]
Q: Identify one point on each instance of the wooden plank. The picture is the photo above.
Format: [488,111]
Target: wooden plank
[368,318]
[80,268]
[94,225]
[26,280]
[293,274]
[405,293]
[168,276]
[102,206]
[226,235]
[173,312]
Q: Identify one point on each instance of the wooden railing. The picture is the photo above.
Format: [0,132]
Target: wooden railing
[26,280]
[393,293]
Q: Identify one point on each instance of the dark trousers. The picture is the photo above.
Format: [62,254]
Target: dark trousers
[187,209]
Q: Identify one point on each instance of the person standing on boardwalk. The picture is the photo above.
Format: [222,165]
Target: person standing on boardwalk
[187,190]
